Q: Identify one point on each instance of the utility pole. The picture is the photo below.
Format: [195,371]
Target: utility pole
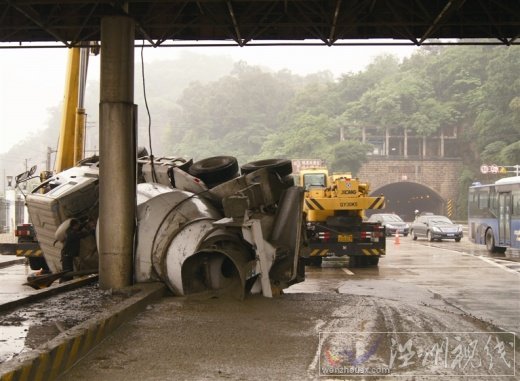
[48,162]
[26,169]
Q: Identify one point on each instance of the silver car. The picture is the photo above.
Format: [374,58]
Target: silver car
[392,223]
[435,227]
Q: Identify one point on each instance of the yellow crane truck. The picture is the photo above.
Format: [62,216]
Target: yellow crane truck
[334,207]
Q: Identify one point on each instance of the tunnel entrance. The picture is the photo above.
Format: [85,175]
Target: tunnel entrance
[403,198]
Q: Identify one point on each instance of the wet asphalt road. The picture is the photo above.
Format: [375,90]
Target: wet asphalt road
[12,278]
[429,310]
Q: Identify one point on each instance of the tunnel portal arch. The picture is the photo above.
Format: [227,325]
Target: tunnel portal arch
[403,198]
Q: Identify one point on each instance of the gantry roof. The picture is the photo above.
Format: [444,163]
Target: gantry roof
[250,22]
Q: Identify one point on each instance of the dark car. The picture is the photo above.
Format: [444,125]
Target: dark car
[435,227]
[391,222]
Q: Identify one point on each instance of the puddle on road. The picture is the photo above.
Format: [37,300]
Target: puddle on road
[391,290]
[12,341]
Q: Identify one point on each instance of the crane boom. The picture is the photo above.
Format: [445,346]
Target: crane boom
[73,119]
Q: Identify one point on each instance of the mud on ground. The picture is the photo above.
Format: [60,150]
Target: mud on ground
[292,337]
[30,326]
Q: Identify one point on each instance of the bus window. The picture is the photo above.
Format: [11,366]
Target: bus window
[516,203]
[473,201]
[483,200]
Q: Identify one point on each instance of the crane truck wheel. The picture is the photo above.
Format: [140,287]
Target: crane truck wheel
[353,261]
[313,261]
[373,261]
[215,170]
[282,167]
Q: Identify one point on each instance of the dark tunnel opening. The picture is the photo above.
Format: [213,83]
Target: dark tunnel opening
[403,198]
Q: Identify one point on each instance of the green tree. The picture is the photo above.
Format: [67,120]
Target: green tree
[349,156]
[233,115]
[307,136]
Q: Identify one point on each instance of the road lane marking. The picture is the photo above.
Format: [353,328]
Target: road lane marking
[348,271]
[503,267]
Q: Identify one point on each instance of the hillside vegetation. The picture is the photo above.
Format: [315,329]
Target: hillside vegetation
[202,106]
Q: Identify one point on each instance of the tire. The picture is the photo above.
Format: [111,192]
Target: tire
[215,170]
[288,181]
[353,261]
[457,239]
[282,167]
[414,236]
[37,263]
[183,164]
[490,243]
[314,261]
[373,261]
[429,236]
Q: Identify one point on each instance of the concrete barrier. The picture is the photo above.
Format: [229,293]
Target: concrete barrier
[60,354]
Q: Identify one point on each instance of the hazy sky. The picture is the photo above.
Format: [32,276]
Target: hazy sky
[32,80]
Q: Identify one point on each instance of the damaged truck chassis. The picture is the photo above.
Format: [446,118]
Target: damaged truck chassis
[201,227]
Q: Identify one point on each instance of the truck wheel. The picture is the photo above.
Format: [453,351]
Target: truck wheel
[314,261]
[354,261]
[373,261]
[215,170]
[37,263]
[282,167]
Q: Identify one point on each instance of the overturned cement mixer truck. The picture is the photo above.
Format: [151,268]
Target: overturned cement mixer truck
[204,227]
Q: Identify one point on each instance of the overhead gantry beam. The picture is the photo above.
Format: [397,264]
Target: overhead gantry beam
[446,13]
[245,21]
[32,15]
[238,36]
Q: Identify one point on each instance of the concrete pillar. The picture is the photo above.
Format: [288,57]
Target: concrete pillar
[117,147]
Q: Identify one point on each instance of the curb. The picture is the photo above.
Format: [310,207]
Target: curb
[46,292]
[5,264]
[63,352]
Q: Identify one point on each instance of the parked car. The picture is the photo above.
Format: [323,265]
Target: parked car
[435,227]
[391,222]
